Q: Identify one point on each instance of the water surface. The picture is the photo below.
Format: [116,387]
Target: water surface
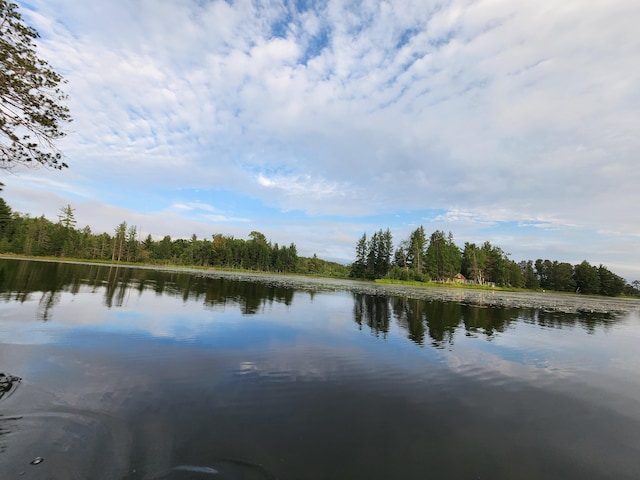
[140,374]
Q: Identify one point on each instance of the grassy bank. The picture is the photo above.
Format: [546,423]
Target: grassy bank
[466,286]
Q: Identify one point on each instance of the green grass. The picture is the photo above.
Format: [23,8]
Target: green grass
[413,283]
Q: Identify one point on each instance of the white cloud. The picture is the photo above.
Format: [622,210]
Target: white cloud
[303,186]
[224,219]
[190,206]
[501,111]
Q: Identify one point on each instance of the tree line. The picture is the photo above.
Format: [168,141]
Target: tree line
[437,258]
[32,116]
[419,257]
[38,236]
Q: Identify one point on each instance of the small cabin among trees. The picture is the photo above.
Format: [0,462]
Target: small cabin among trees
[459,278]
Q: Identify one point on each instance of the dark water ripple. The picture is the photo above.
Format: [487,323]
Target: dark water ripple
[155,375]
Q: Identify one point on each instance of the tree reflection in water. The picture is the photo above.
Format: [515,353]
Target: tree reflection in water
[21,280]
[424,321]
[440,321]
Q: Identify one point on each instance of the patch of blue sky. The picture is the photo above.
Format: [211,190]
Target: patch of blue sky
[444,40]
[234,206]
[138,112]
[474,85]
[25,5]
[46,34]
[302,6]
[406,37]
[411,60]
[401,220]
[316,45]
[494,229]
[394,99]
[282,26]
[145,200]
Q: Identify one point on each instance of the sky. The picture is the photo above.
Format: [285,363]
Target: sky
[313,122]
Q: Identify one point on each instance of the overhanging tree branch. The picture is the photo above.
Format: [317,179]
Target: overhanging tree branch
[32,109]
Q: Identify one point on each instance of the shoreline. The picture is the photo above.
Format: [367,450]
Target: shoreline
[546,301]
[571,303]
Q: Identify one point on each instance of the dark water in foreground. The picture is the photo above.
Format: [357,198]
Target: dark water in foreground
[139,374]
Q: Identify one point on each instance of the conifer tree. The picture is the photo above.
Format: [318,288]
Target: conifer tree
[32,109]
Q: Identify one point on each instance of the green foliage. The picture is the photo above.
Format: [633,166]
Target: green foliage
[417,250]
[555,275]
[373,257]
[513,275]
[21,234]
[611,284]
[563,277]
[586,277]
[489,265]
[5,217]
[415,260]
[443,258]
[530,278]
[31,101]
[632,289]
[438,258]
[66,217]
[474,262]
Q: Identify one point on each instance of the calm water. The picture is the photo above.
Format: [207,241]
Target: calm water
[111,373]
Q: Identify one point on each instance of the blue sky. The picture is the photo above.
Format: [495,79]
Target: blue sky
[509,121]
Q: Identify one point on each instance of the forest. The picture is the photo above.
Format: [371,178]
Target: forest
[423,258]
[38,236]
[419,258]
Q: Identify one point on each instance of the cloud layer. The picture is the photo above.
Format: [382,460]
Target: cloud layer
[511,120]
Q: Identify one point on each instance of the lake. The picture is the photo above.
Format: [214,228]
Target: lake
[112,372]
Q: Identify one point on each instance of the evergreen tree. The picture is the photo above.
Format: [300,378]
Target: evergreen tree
[372,255]
[119,241]
[66,217]
[31,101]
[6,218]
[132,244]
[474,263]
[443,258]
[292,258]
[417,251]
[359,267]
[495,269]
[400,256]
[385,249]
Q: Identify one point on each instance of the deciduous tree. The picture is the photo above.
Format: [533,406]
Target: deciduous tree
[586,278]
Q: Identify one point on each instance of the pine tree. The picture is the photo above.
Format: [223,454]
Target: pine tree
[31,102]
